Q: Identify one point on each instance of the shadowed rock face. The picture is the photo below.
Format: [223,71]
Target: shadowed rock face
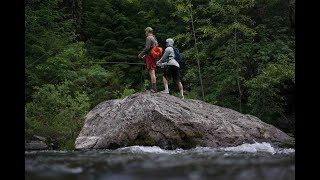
[35,143]
[169,122]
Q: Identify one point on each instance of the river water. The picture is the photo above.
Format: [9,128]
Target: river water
[246,162]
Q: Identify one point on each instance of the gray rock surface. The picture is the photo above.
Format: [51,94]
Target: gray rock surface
[168,122]
[36,143]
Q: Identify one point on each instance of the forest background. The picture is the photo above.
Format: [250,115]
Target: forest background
[79,53]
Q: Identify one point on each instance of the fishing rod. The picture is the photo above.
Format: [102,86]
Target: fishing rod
[104,62]
[114,63]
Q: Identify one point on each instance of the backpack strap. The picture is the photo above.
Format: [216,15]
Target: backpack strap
[156,44]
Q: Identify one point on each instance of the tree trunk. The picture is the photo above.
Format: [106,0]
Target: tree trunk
[195,44]
[291,7]
[74,7]
[238,67]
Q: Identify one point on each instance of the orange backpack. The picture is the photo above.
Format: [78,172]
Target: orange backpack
[156,51]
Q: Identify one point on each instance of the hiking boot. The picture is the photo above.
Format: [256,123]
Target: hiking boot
[165,91]
[182,97]
[153,90]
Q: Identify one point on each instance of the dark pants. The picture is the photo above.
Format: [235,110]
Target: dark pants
[172,71]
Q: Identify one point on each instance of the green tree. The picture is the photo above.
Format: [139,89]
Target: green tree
[48,31]
[237,41]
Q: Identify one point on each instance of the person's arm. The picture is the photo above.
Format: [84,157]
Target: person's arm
[164,57]
[147,48]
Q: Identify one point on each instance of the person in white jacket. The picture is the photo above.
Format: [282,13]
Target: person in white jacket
[171,68]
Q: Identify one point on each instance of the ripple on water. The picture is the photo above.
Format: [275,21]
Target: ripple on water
[247,161]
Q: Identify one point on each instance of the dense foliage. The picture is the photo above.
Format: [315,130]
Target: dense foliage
[81,52]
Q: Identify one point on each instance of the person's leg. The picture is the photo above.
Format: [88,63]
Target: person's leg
[151,66]
[165,83]
[152,74]
[176,78]
[180,87]
[165,80]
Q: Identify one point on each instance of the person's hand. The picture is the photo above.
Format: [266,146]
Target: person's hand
[158,63]
[139,56]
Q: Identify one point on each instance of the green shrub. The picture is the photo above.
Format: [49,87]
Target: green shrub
[57,113]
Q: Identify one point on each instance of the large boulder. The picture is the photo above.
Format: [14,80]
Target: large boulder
[169,122]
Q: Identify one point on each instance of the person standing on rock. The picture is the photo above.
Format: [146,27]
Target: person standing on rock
[170,68]
[150,61]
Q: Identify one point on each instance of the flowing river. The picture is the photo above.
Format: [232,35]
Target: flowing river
[246,162]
